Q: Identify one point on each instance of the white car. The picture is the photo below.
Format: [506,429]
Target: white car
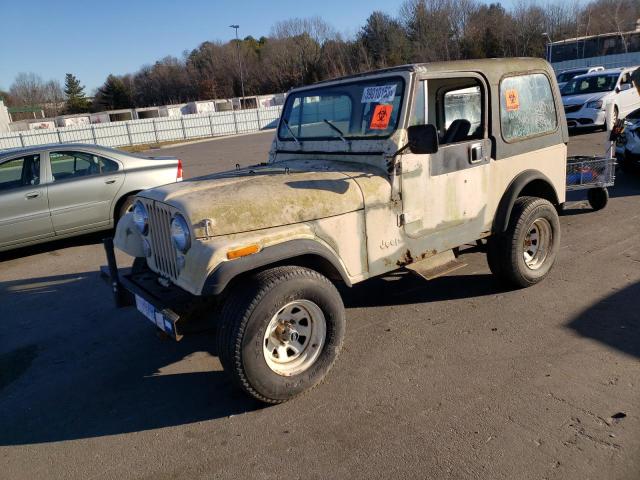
[598,99]
[568,75]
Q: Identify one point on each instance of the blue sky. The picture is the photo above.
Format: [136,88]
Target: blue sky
[92,39]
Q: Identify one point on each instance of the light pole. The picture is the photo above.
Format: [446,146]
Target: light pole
[545,34]
[236,27]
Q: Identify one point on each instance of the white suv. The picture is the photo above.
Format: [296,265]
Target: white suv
[598,99]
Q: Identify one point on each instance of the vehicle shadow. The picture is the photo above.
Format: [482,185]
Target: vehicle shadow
[405,288]
[73,366]
[614,321]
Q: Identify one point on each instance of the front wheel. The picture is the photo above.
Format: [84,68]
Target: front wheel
[280,332]
[525,253]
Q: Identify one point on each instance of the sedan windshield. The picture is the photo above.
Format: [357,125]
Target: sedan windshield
[360,109]
[591,84]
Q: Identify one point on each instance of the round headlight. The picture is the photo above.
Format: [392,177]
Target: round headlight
[180,233]
[140,217]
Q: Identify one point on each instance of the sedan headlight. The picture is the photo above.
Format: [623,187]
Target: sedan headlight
[141,217]
[180,234]
[596,104]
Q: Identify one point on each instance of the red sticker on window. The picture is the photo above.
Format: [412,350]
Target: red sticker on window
[513,100]
[381,117]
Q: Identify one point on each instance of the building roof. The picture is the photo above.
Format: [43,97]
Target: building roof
[589,37]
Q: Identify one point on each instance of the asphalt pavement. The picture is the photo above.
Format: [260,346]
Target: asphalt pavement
[455,378]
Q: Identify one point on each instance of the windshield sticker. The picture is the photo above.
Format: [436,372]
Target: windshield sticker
[383,94]
[381,117]
[513,101]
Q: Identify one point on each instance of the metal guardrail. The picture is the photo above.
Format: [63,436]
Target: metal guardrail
[149,131]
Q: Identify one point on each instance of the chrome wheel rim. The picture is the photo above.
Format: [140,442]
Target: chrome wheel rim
[536,243]
[294,338]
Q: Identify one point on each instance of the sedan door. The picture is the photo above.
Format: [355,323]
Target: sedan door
[24,210]
[82,187]
[628,99]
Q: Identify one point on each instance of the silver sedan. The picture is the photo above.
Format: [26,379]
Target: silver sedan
[62,190]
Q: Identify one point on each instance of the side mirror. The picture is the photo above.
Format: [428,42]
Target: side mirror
[423,139]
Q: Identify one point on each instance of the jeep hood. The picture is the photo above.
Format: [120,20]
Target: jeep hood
[262,197]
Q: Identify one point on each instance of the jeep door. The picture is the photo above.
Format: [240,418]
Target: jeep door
[24,215]
[81,189]
[446,192]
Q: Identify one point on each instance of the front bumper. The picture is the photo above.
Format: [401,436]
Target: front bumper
[167,307]
[586,118]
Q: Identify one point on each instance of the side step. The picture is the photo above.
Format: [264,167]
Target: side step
[436,266]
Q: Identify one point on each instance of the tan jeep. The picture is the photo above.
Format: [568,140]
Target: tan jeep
[367,174]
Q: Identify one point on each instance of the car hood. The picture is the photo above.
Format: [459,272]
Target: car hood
[266,196]
[583,98]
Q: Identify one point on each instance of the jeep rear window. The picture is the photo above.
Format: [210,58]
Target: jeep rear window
[364,109]
[527,107]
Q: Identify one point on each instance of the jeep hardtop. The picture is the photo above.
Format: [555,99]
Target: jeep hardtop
[367,174]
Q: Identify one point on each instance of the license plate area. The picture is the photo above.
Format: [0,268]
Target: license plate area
[161,320]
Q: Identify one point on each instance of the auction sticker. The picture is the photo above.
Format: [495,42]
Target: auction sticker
[381,117]
[383,94]
[513,100]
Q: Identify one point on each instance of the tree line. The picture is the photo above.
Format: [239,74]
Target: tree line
[300,51]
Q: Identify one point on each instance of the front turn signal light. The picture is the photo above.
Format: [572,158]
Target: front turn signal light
[243,251]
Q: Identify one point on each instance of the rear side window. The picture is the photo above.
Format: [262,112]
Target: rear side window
[69,165]
[527,108]
[20,172]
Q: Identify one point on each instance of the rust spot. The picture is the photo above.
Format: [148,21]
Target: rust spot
[406,259]
[428,254]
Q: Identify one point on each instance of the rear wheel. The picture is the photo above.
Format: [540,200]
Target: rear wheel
[280,332]
[525,253]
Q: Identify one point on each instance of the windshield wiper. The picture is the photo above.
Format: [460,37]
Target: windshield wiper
[336,129]
[286,124]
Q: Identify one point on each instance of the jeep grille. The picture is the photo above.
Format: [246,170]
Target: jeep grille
[163,259]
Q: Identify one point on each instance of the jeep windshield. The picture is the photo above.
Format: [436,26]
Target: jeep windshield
[364,109]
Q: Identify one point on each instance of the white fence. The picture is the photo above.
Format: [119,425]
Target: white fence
[136,132]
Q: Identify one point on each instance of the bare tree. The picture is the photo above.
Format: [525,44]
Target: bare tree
[28,89]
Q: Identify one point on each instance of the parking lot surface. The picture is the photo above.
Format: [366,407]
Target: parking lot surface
[453,378]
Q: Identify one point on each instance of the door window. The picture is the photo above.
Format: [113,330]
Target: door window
[463,104]
[69,165]
[458,107]
[20,172]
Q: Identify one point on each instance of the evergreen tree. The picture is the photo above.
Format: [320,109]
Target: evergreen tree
[76,100]
[114,94]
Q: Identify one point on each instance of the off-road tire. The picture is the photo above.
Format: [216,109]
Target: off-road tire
[598,198]
[505,253]
[251,305]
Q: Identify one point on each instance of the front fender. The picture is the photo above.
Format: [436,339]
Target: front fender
[292,249]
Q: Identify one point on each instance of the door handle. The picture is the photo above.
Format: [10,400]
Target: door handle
[32,195]
[109,182]
[476,153]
